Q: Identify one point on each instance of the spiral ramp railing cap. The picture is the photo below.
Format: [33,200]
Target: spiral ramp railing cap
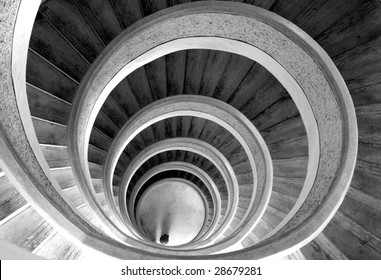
[288,53]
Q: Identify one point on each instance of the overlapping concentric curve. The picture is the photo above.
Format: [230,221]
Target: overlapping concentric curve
[289,54]
[322,116]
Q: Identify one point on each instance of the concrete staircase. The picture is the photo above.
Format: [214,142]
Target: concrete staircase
[69,35]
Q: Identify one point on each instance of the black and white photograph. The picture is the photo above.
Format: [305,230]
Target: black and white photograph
[191,139]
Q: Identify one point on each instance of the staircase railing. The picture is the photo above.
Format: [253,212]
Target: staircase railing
[302,67]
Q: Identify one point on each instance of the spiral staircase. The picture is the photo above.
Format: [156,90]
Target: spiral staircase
[117,115]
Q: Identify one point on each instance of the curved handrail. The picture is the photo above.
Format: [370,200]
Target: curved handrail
[214,110]
[288,53]
[299,55]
